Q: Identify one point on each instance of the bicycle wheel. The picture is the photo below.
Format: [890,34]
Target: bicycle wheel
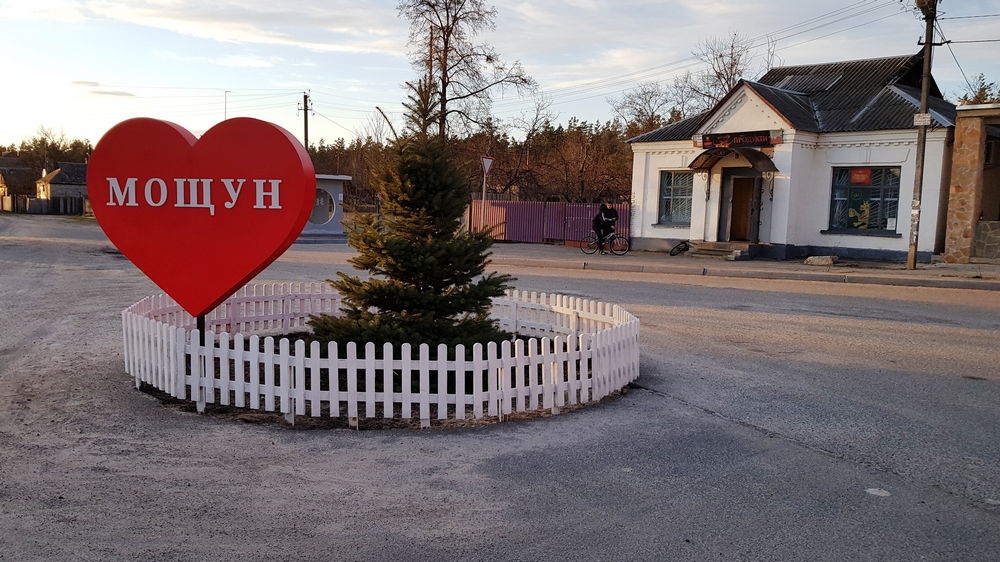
[589,244]
[681,247]
[619,245]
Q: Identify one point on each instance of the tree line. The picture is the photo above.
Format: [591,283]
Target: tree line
[536,158]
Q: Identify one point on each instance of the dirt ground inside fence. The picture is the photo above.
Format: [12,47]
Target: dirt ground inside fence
[747,436]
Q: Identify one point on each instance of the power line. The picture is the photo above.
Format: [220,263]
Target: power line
[978,41]
[332,121]
[950,50]
[632,77]
[513,104]
[970,17]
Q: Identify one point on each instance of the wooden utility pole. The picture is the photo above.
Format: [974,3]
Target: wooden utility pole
[929,9]
[305,119]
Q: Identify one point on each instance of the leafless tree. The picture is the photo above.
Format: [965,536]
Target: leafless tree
[644,108]
[685,97]
[728,59]
[463,73]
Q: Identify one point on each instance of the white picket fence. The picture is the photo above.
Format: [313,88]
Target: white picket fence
[578,351]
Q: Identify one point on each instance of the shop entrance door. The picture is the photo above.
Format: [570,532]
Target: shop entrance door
[742,206]
[739,219]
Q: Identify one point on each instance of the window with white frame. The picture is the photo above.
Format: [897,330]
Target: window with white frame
[865,199]
[675,198]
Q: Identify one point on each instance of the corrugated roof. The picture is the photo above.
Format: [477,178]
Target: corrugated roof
[71,173]
[678,130]
[20,181]
[794,106]
[860,95]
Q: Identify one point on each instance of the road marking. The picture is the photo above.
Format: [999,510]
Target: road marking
[878,492]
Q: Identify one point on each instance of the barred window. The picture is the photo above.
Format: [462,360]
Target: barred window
[675,198]
[865,199]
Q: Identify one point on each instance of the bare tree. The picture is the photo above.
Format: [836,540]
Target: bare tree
[728,58]
[463,73]
[644,108]
[47,148]
[686,99]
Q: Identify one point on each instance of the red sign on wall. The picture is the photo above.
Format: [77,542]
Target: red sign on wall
[201,217]
[861,176]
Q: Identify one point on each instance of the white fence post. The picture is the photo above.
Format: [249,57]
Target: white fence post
[578,351]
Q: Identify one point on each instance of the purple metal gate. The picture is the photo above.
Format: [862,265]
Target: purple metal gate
[539,222]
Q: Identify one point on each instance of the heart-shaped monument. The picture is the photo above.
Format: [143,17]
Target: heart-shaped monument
[201,217]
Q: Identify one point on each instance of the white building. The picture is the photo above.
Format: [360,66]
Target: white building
[814,159]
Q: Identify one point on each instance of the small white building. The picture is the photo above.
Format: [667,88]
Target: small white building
[328,209]
[68,180]
[813,159]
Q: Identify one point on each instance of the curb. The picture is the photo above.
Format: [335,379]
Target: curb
[759,274]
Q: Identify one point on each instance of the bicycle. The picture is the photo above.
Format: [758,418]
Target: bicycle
[617,245]
[680,248]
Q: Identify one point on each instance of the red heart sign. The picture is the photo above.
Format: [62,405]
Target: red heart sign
[201,217]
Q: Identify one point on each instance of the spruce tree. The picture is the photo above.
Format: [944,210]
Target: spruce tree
[426,282]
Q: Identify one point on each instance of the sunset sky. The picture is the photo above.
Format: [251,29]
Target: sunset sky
[81,66]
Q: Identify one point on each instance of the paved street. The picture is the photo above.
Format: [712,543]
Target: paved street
[774,419]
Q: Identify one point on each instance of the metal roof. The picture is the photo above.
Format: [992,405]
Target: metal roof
[70,173]
[678,130]
[861,95]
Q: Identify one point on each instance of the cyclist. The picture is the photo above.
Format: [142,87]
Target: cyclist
[604,224]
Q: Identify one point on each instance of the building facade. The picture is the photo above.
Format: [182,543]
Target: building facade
[816,159]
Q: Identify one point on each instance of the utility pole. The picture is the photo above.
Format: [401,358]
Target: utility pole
[929,9]
[306,107]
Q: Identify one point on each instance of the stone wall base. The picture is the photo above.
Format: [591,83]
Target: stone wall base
[986,243]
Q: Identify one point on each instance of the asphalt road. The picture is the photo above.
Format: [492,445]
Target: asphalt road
[773,420]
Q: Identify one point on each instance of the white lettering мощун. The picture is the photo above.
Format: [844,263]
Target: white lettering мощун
[188,194]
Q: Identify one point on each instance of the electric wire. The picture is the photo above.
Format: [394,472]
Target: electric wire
[553,94]
[970,17]
[950,50]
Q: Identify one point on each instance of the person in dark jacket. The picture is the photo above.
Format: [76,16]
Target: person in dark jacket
[604,224]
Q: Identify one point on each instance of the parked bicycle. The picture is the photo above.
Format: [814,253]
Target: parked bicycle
[680,248]
[617,245]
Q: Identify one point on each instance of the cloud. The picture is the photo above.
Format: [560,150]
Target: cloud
[231,60]
[87,83]
[335,26]
[113,93]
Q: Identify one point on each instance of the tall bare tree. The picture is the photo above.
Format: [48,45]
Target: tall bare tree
[648,106]
[728,59]
[47,148]
[464,74]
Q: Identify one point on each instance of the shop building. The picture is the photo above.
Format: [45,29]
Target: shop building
[813,159]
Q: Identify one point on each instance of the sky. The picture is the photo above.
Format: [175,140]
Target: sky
[80,66]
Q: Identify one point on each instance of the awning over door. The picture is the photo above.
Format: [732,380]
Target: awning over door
[757,159]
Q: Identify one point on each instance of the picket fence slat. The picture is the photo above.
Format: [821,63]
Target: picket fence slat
[570,351]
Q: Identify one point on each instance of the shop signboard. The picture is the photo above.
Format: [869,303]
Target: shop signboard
[748,139]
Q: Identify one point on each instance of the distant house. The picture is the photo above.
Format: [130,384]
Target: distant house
[811,159]
[68,180]
[16,178]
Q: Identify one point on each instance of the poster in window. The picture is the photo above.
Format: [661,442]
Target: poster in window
[861,176]
[859,210]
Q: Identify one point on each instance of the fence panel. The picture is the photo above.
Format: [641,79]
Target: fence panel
[561,364]
[537,222]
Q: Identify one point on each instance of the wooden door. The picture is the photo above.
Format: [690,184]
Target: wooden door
[742,209]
